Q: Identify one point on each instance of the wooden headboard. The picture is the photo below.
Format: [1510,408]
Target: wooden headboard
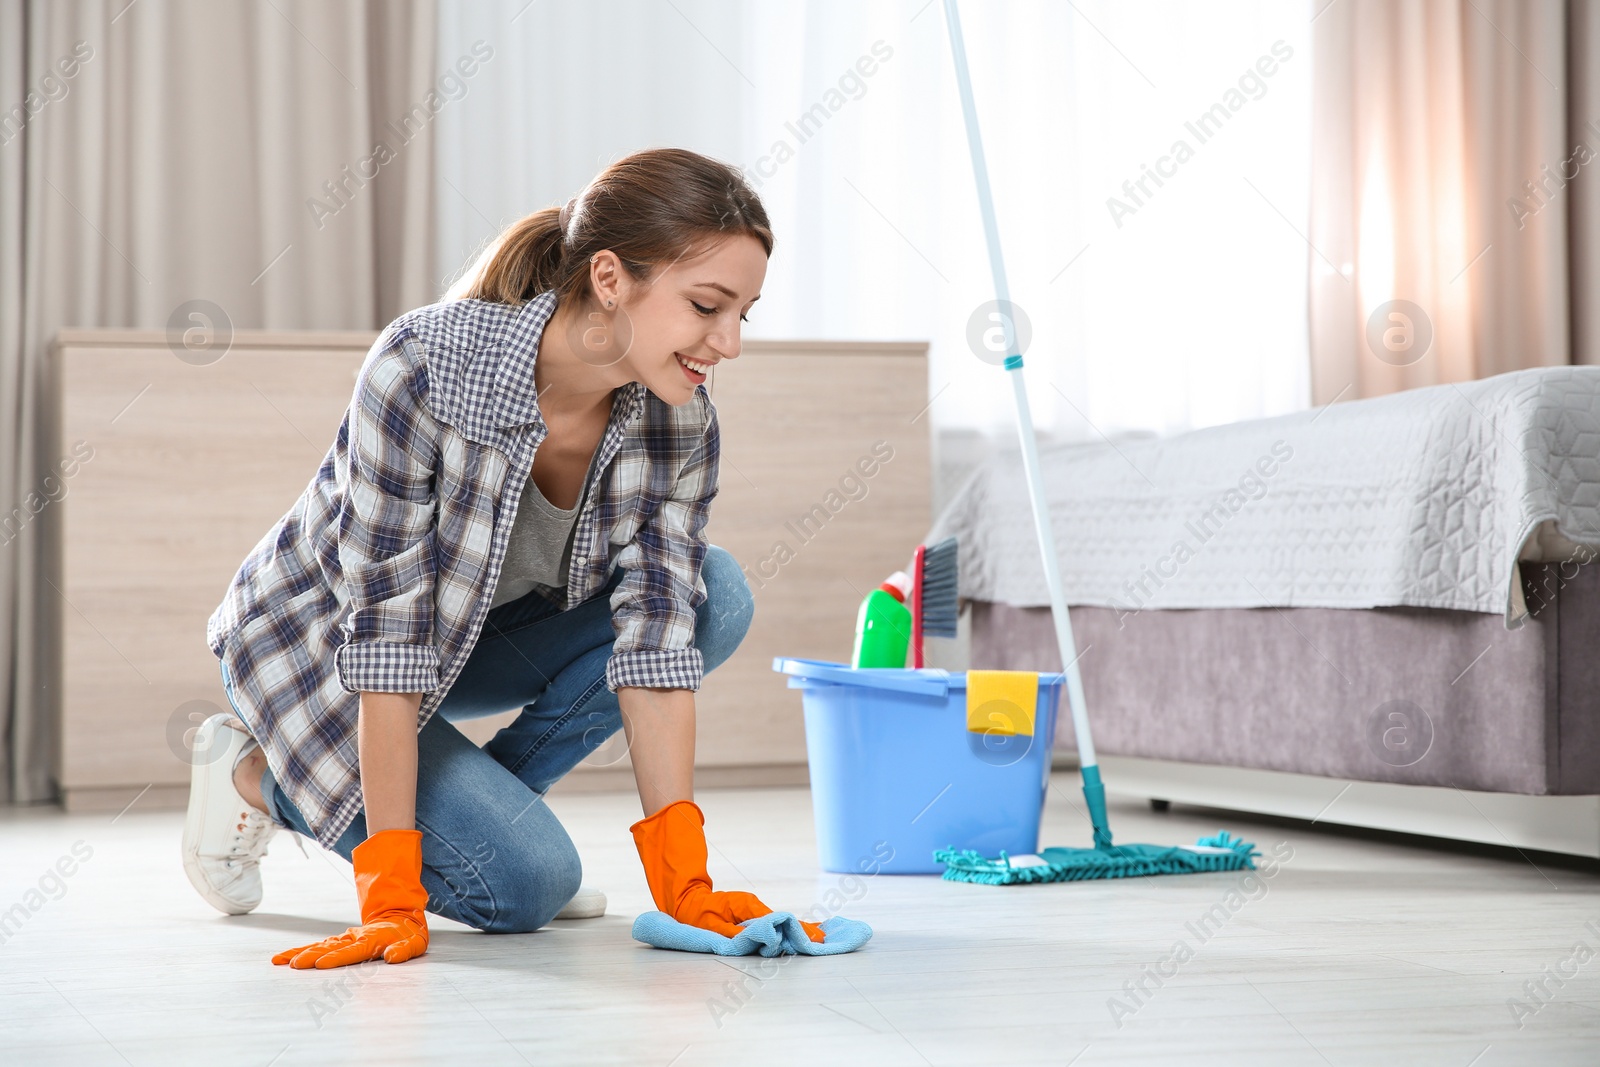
[191,462]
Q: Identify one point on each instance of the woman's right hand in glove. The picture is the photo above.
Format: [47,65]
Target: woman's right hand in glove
[394,925]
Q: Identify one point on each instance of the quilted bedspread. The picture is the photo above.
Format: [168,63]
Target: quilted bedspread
[1424,498]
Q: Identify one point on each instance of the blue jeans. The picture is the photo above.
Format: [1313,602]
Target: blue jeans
[494,856]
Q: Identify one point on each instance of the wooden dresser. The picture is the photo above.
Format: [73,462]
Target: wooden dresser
[194,459]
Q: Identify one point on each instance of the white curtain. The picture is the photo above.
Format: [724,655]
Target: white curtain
[181,158]
[1191,312]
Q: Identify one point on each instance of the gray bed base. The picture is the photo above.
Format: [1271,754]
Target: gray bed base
[1420,720]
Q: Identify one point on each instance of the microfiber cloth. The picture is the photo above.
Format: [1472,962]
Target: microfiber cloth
[772,934]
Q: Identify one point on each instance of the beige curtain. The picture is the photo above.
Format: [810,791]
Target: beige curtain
[165,151]
[1453,226]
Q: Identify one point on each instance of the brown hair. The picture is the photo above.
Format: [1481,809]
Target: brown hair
[649,208]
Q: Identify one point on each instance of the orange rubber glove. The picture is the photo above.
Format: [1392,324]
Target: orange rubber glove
[672,846]
[393,923]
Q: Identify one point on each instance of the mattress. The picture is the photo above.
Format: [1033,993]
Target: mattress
[1429,498]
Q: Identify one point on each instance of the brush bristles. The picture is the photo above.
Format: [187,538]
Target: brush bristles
[938,591]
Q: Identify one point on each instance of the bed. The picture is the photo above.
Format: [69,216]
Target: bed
[1380,612]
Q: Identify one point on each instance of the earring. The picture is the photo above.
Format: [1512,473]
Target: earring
[608,303]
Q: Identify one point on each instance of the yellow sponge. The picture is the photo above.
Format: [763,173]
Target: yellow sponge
[1002,702]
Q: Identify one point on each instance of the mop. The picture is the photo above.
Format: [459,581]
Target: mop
[1105,860]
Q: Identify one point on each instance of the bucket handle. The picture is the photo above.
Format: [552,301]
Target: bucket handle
[926,682]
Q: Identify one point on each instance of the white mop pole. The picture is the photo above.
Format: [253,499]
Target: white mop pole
[1093,790]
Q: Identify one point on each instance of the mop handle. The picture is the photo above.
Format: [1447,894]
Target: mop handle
[1030,448]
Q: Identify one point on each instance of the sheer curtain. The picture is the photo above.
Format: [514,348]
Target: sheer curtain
[1455,142]
[1184,307]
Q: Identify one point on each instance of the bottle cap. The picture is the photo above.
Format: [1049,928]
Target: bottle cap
[897,585]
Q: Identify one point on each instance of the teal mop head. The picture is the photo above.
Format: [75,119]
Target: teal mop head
[1221,852]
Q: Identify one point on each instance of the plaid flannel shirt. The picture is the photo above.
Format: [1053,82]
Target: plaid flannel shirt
[380,576]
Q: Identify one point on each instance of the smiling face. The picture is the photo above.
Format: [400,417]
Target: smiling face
[686,317]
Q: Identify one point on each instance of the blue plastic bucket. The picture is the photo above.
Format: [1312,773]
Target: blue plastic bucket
[895,773]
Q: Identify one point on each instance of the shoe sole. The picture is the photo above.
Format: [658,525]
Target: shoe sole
[195,818]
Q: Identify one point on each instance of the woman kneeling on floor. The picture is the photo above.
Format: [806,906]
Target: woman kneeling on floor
[511,516]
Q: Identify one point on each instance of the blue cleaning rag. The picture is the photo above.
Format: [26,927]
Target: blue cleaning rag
[772,934]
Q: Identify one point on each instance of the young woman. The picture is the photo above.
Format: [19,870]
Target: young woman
[512,516]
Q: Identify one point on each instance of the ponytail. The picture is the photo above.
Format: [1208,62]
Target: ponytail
[522,260]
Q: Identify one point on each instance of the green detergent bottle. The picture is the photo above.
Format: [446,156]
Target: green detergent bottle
[883,625]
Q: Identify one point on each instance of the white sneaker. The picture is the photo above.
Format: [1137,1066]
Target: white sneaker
[589,903]
[224,838]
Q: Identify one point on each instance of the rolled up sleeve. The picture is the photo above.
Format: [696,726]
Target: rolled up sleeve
[387,527]
[652,608]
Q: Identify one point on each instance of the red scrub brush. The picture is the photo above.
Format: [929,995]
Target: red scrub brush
[934,594]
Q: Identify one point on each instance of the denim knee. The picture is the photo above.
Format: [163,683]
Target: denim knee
[527,888]
[723,618]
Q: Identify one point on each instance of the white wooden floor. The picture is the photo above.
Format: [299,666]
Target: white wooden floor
[1356,951]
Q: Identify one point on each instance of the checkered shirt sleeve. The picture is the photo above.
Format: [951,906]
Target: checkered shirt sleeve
[653,606]
[386,531]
